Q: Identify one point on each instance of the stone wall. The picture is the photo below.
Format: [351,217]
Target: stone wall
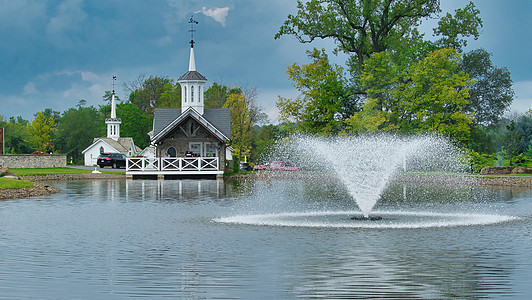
[505,170]
[32,161]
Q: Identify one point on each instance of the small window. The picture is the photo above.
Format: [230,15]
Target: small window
[171,152]
[185,92]
[210,149]
[101,150]
[191,93]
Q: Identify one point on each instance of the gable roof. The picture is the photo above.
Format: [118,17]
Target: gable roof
[217,121]
[218,117]
[121,145]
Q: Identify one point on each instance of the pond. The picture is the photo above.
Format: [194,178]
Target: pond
[114,239]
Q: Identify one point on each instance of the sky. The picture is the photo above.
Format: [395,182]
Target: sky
[55,53]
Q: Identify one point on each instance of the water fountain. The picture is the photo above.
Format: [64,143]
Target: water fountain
[365,166]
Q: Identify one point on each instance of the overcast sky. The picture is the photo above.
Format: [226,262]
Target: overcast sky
[54,53]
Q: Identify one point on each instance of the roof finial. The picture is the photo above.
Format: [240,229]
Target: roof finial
[192,22]
[113,83]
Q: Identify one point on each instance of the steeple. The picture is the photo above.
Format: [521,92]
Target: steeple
[113,123]
[192,82]
[192,61]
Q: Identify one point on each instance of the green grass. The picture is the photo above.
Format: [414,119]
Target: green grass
[10,183]
[47,171]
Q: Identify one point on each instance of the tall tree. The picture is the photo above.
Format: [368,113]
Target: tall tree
[431,98]
[216,95]
[360,27]
[523,127]
[135,123]
[41,130]
[452,29]
[490,91]
[363,27]
[16,135]
[77,129]
[153,92]
[325,94]
[511,144]
[241,125]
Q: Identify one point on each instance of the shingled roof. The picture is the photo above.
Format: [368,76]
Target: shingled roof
[218,117]
[192,75]
[121,145]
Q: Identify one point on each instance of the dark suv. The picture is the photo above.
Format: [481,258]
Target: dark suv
[115,160]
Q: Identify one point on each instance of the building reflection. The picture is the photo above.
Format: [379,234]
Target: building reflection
[164,190]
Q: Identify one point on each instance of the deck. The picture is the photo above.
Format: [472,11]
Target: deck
[162,167]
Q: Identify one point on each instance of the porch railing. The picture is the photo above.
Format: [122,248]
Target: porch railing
[172,164]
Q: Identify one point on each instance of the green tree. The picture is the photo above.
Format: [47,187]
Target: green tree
[216,95]
[135,123]
[429,97]
[380,79]
[16,133]
[523,127]
[490,91]
[40,130]
[241,125]
[263,139]
[325,94]
[453,29]
[435,96]
[77,129]
[360,27]
[153,92]
[511,144]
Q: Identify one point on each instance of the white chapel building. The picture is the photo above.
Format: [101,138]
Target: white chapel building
[113,143]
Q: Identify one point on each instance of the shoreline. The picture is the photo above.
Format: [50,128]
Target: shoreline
[39,189]
[485,180]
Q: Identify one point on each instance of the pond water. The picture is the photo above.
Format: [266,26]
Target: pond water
[196,239]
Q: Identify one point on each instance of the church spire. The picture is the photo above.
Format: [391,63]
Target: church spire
[113,104]
[192,82]
[113,123]
[192,61]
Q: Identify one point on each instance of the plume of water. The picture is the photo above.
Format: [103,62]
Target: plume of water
[365,164]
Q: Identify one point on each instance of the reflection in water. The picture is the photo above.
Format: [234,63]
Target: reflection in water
[121,239]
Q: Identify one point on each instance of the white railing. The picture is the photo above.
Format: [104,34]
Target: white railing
[172,164]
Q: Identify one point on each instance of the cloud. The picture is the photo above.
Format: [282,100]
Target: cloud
[217,13]
[523,96]
[66,25]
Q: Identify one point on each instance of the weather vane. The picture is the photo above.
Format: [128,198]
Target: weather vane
[192,22]
[113,83]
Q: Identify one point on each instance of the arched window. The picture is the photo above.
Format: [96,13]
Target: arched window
[185,93]
[101,149]
[199,94]
[171,152]
[191,93]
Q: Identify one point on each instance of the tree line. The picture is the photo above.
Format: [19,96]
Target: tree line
[395,80]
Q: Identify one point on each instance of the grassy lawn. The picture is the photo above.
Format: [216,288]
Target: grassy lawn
[48,171]
[10,183]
